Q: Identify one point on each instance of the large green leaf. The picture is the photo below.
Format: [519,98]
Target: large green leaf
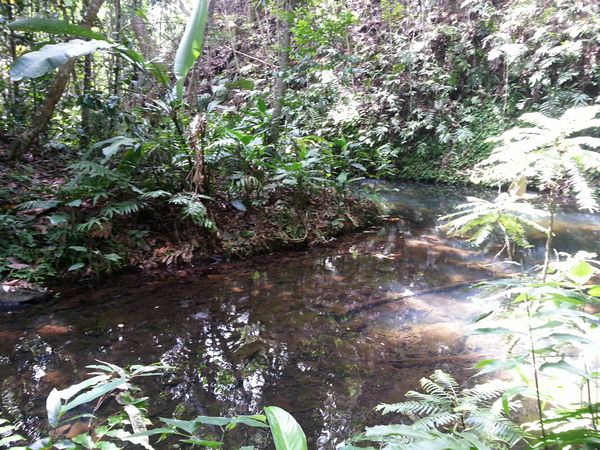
[53,26]
[208,420]
[71,391]
[111,146]
[49,57]
[189,426]
[287,433]
[95,393]
[85,440]
[137,421]
[191,44]
[563,365]
[53,407]
[581,272]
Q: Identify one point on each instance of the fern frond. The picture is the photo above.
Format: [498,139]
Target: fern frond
[585,195]
[484,392]
[481,235]
[581,118]
[92,169]
[193,208]
[431,399]
[156,194]
[541,121]
[223,143]
[432,388]
[89,225]
[494,427]
[446,380]
[584,141]
[434,421]
[412,408]
[38,204]
[125,208]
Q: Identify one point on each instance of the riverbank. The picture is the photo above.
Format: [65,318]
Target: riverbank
[53,232]
[278,330]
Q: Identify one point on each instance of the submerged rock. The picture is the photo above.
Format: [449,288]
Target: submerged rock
[21,298]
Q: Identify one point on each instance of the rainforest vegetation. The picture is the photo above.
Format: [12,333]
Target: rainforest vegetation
[155,136]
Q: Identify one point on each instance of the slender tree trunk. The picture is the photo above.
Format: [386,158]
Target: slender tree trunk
[41,119]
[117,62]
[549,234]
[147,45]
[261,31]
[200,179]
[117,71]
[287,6]
[85,111]
[13,52]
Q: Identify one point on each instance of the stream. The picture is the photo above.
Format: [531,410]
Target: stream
[325,333]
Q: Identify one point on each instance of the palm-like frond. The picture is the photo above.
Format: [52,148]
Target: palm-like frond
[444,406]
[494,427]
[548,152]
[193,208]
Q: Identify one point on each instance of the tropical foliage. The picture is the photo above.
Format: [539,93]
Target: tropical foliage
[130,426]
[470,417]
[154,133]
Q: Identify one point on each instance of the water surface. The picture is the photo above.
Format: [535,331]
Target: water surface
[325,333]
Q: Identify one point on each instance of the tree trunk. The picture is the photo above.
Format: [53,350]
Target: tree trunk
[85,110]
[13,52]
[28,138]
[116,88]
[147,45]
[287,6]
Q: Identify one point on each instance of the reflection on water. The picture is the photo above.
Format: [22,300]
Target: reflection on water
[326,334]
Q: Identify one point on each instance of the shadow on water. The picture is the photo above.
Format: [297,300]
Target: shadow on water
[326,333]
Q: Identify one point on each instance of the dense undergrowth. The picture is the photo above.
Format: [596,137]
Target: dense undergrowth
[101,217]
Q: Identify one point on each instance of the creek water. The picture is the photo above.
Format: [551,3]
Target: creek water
[326,333]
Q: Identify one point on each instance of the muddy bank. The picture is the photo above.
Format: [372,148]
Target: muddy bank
[156,240]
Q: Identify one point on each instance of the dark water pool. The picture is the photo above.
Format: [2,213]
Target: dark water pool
[325,333]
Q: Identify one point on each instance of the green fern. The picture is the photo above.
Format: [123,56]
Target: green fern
[550,152]
[125,208]
[38,204]
[155,194]
[193,208]
[94,170]
[444,406]
[434,421]
[584,194]
[491,424]
[90,224]
[481,220]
